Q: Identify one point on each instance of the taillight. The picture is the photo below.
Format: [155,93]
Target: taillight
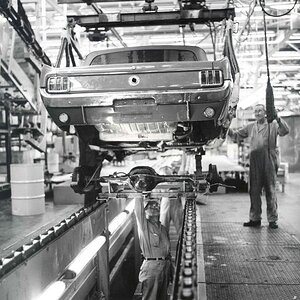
[209,112]
[63,118]
[211,78]
[58,84]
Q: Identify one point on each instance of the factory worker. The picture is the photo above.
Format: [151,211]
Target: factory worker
[155,246]
[264,163]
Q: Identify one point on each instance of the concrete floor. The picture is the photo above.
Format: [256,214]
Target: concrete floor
[289,205]
[250,263]
[235,207]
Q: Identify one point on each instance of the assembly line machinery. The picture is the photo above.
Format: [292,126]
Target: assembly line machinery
[82,256]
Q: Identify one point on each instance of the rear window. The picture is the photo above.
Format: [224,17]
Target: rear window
[141,56]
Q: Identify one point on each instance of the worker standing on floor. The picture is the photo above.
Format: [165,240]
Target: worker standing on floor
[264,163]
[155,245]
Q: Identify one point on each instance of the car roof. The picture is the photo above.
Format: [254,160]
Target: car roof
[200,53]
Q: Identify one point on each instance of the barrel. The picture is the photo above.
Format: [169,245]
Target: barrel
[27,189]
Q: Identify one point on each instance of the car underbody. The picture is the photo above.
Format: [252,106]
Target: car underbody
[121,101]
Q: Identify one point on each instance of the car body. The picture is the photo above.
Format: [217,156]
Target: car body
[141,97]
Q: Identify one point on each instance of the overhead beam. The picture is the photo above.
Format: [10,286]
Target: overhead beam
[20,80]
[282,40]
[113,30]
[179,17]
[90,1]
[53,4]
[34,62]
[19,21]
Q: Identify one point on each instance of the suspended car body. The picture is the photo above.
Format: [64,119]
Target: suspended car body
[141,97]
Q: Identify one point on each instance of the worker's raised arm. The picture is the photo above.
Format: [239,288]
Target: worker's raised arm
[140,212]
[283,128]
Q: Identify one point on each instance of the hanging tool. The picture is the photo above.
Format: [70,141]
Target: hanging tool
[68,43]
[270,107]
[229,52]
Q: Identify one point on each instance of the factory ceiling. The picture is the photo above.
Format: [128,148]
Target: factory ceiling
[50,21]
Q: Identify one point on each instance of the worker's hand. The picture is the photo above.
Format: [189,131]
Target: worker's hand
[277,118]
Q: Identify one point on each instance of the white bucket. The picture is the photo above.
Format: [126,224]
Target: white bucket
[53,162]
[27,189]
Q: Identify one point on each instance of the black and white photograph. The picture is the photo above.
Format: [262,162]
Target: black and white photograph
[149,149]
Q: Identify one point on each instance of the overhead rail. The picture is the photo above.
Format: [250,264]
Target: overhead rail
[113,30]
[179,17]
[90,1]
[18,77]
[19,21]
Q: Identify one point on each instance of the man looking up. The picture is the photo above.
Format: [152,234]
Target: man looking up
[264,163]
[155,245]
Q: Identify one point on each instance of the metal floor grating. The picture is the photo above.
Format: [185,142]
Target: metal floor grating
[224,254]
[253,272]
[252,292]
[235,233]
[247,263]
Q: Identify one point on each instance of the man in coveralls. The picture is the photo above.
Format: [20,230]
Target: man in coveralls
[264,163]
[171,209]
[155,245]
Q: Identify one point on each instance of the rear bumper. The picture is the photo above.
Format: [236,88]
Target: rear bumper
[138,107]
[161,96]
[93,115]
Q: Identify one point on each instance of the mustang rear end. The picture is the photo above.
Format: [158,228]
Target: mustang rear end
[139,100]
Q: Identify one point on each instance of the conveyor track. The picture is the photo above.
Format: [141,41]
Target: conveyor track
[19,21]
[185,279]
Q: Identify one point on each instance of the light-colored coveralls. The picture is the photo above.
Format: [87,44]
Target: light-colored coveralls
[171,209]
[264,163]
[155,243]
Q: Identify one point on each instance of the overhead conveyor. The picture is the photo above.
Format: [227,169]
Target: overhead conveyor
[179,17]
[19,21]
[22,68]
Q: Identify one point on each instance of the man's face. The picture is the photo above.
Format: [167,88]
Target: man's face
[152,208]
[259,112]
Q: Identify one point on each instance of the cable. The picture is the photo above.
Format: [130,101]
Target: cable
[67,54]
[270,109]
[247,25]
[262,3]
[266,44]
[71,55]
[213,37]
